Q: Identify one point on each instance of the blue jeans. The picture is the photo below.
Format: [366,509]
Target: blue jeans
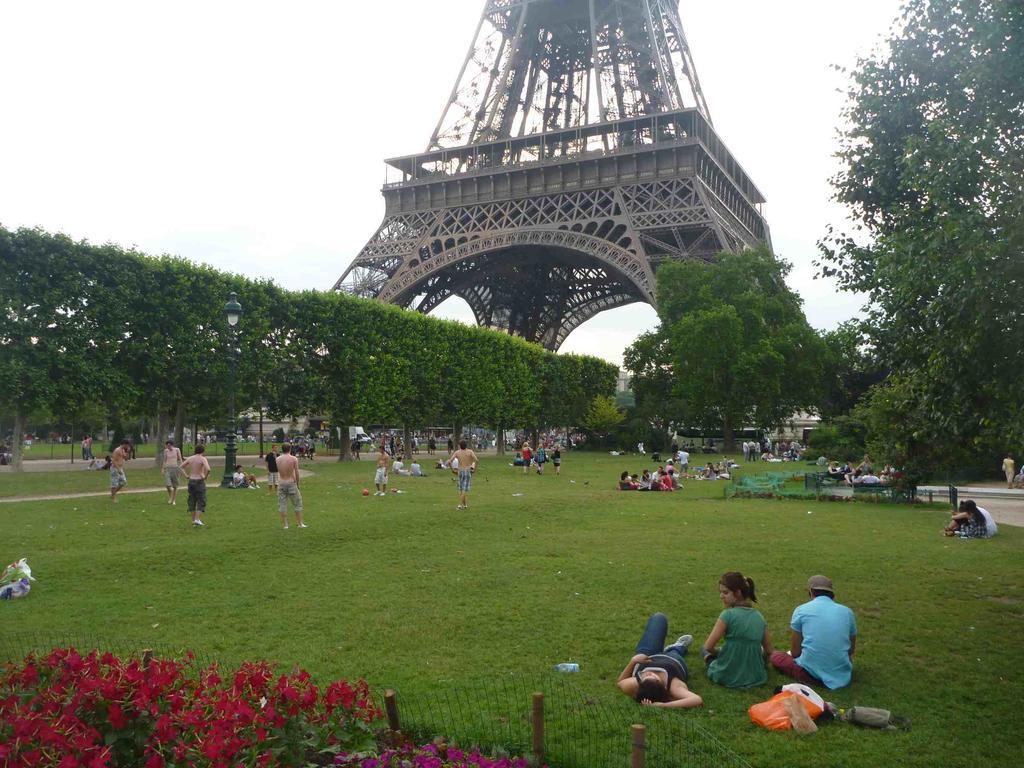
[652,642]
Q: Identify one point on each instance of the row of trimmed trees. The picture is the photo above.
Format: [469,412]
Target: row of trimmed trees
[148,336]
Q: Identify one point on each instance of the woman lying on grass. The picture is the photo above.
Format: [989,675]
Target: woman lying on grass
[656,675]
[741,662]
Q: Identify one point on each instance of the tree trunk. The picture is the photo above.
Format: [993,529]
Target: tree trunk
[19,427]
[163,421]
[406,442]
[499,442]
[535,438]
[728,436]
[457,433]
[179,425]
[345,445]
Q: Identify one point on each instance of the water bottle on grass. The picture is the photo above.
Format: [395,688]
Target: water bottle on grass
[567,666]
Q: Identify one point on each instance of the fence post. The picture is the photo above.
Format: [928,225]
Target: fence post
[391,707]
[639,757]
[953,497]
[537,725]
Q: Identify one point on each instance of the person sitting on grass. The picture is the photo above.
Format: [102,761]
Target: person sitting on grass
[741,662]
[416,470]
[664,482]
[656,675]
[626,482]
[824,637]
[241,480]
[645,481]
[971,522]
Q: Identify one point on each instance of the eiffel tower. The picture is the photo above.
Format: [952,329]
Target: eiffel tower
[575,154]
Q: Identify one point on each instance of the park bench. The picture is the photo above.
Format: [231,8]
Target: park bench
[885,492]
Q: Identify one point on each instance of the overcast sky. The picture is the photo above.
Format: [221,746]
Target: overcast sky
[251,135]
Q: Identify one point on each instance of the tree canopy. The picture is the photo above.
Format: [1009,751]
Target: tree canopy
[933,175]
[733,349]
[84,323]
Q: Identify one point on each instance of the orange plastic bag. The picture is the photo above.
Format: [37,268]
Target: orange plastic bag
[772,714]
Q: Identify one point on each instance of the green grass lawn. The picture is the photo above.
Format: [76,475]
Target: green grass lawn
[409,592]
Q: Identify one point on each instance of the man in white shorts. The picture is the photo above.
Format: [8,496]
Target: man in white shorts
[272,474]
[171,462]
[380,478]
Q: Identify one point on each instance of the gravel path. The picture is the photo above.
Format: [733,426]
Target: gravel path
[90,494]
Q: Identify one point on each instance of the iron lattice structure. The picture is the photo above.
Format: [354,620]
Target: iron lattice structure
[575,153]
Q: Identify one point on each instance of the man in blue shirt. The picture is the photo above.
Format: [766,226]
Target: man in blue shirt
[824,636]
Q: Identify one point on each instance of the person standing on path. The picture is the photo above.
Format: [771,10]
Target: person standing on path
[118,480]
[467,466]
[272,472]
[1009,469]
[171,461]
[380,477]
[288,471]
[198,469]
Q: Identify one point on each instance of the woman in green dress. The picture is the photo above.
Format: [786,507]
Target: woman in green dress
[741,663]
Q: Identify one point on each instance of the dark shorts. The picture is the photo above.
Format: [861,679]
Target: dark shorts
[196,495]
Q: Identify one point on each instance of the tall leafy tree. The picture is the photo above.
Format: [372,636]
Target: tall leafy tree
[59,329]
[933,175]
[854,368]
[740,349]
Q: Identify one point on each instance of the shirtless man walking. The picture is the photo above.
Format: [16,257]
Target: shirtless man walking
[117,476]
[466,460]
[288,487]
[171,460]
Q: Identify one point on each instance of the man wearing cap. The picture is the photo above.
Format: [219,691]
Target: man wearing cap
[824,636]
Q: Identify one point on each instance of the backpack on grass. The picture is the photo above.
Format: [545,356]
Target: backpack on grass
[872,717]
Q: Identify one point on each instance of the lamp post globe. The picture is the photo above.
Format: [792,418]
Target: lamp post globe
[233,313]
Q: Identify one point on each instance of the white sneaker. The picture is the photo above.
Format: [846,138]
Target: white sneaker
[197,522]
[303,525]
[285,528]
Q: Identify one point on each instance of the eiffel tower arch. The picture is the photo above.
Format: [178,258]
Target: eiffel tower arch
[574,155]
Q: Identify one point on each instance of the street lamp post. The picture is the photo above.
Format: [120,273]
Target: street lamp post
[233,311]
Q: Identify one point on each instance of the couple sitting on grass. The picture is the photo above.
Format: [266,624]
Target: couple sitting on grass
[971,522]
[822,642]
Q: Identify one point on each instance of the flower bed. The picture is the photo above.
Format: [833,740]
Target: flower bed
[428,756]
[67,710]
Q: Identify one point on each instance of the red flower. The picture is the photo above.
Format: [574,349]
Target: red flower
[117,718]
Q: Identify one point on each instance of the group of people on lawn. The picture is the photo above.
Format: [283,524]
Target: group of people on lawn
[527,457]
[863,474]
[823,637]
[667,478]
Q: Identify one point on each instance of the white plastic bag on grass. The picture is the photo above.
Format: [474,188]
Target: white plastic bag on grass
[14,582]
